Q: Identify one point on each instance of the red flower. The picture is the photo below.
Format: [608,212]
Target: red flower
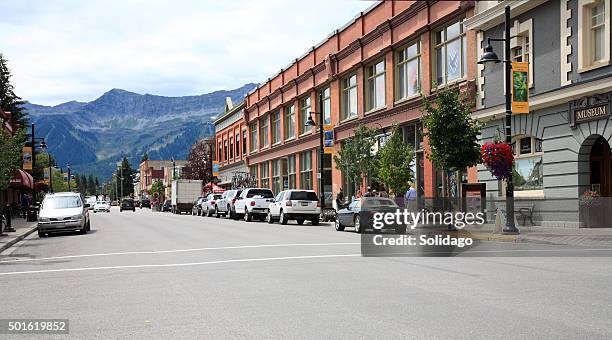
[498,158]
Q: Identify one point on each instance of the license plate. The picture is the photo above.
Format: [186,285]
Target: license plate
[304,204]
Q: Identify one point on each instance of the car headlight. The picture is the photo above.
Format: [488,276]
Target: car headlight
[43,219]
[76,217]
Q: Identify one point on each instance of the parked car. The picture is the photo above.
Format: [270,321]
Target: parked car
[127,204]
[101,206]
[197,207]
[225,205]
[63,211]
[210,204]
[359,214]
[299,205]
[253,203]
[167,206]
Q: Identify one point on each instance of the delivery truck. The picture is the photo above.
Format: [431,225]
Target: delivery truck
[184,193]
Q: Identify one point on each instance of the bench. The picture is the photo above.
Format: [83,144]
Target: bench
[525,210]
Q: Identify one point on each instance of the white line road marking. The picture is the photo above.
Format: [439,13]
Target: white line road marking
[180,264]
[182,251]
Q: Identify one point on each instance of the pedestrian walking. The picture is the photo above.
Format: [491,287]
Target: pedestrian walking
[410,198]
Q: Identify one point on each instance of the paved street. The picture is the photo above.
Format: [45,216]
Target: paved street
[157,275]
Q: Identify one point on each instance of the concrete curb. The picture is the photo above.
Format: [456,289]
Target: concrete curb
[17,239]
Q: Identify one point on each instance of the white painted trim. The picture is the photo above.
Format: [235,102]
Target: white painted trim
[584,39]
[560,96]
[566,47]
[519,28]
[494,16]
[480,79]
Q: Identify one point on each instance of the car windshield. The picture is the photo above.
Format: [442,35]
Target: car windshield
[303,196]
[101,202]
[260,193]
[378,202]
[61,202]
[217,196]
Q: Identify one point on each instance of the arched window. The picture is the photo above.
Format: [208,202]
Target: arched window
[528,171]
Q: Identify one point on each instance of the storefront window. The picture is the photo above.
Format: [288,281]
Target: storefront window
[527,173]
[291,171]
[306,170]
[264,171]
[276,179]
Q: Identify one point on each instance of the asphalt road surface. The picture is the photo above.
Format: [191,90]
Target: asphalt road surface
[150,275]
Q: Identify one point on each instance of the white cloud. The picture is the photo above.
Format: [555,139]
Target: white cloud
[76,50]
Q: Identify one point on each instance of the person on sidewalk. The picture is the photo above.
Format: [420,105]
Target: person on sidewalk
[369,193]
[410,198]
[339,199]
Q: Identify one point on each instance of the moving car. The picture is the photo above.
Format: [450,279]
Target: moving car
[101,206]
[299,205]
[167,206]
[360,212]
[63,211]
[145,202]
[209,204]
[127,204]
[225,205]
[253,203]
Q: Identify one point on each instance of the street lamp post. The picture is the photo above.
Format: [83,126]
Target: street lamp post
[311,122]
[490,57]
[173,169]
[68,166]
[43,146]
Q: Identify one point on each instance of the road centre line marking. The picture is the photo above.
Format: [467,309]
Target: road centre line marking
[179,264]
[181,251]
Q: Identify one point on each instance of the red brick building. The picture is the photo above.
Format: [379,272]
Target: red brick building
[231,142]
[370,72]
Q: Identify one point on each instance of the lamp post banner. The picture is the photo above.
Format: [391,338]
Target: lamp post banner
[27,157]
[520,87]
[328,138]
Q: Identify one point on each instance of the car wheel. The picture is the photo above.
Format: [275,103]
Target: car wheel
[283,218]
[300,221]
[400,230]
[217,214]
[269,218]
[338,226]
[120,210]
[94,211]
[41,234]
[357,225]
[247,216]
[315,221]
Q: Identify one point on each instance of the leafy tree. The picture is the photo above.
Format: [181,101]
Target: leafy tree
[91,186]
[10,155]
[145,157]
[126,173]
[157,187]
[199,164]
[393,163]
[355,157]
[452,133]
[9,101]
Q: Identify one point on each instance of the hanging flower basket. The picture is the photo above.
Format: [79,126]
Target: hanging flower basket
[498,158]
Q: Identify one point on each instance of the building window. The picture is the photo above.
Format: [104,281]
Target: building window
[375,85]
[244,142]
[408,71]
[304,114]
[349,97]
[450,46]
[219,155]
[521,44]
[289,122]
[237,146]
[291,171]
[326,94]
[225,154]
[593,33]
[263,132]
[276,127]
[253,136]
[306,170]
[528,169]
[264,170]
[276,176]
[253,173]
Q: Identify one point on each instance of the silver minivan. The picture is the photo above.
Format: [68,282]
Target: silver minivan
[63,211]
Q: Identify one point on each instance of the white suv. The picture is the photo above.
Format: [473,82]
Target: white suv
[299,205]
[253,203]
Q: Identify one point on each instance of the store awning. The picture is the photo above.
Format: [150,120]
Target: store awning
[214,188]
[22,179]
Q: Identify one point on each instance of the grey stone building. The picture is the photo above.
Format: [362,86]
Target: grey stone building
[562,146]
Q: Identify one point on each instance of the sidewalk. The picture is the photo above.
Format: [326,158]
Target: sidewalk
[23,229]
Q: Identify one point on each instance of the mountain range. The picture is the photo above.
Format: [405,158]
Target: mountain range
[94,136]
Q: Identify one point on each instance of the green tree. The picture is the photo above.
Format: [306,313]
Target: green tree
[9,101]
[157,187]
[91,185]
[393,163]
[125,171]
[452,133]
[10,155]
[145,157]
[355,157]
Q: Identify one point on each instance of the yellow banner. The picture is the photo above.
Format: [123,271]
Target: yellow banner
[520,87]
[215,169]
[27,157]
[328,138]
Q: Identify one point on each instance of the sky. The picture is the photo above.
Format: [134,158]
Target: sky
[60,51]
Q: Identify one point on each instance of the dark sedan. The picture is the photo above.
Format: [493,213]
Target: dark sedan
[167,206]
[359,214]
[127,204]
